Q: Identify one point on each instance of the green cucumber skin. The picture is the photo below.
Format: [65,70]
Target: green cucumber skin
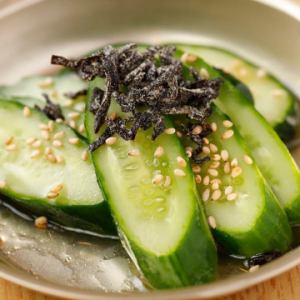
[285,128]
[193,262]
[271,232]
[292,206]
[80,216]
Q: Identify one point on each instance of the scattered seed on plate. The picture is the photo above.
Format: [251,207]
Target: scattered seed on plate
[206,150]
[170,130]
[213,148]
[234,162]
[216,195]
[214,126]
[212,222]
[236,171]
[224,155]
[179,173]
[215,165]
[217,157]
[111,140]
[198,179]
[52,195]
[181,162]
[205,141]
[227,123]
[84,155]
[159,152]
[204,74]
[227,134]
[206,180]
[227,168]
[26,112]
[81,128]
[206,195]
[45,135]
[51,158]
[43,126]
[59,135]
[215,185]
[157,179]
[197,130]
[188,58]
[213,172]
[167,181]
[41,223]
[30,140]
[134,152]
[72,124]
[228,190]
[57,143]
[196,168]
[73,141]
[35,153]
[231,196]
[248,160]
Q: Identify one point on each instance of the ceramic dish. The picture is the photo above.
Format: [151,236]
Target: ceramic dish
[79,267]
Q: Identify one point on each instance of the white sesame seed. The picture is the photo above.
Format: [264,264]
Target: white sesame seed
[59,159]
[206,180]
[167,181]
[227,123]
[198,179]
[215,185]
[248,160]
[43,126]
[72,124]
[254,268]
[73,141]
[205,141]
[196,168]
[179,173]
[189,153]
[179,134]
[170,130]
[212,222]
[157,179]
[51,158]
[216,195]
[213,172]
[204,73]
[261,73]
[111,140]
[214,126]
[48,151]
[188,58]
[213,148]
[231,196]
[224,155]
[45,135]
[36,144]
[57,188]
[41,223]
[31,140]
[8,140]
[215,165]
[59,135]
[181,162]
[227,167]
[11,147]
[81,128]
[35,153]
[84,155]
[216,157]
[46,83]
[206,195]
[197,130]
[52,195]
[59,120]
[206,150]
[228,190]
[216,180]
[236,171]
[2,184]
[57,143]
[234,162]
[278,92]
[68,103]
[26,112]
[113,116]
[134,152]
[74,115]
[227,134]
[159,151]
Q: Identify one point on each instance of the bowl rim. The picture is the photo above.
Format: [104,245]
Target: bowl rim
[207,291]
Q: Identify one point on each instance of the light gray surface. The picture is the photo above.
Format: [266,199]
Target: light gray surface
[70,27]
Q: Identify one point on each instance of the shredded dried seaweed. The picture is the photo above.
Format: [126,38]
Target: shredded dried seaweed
[148,85]
[261,259]
[51,110]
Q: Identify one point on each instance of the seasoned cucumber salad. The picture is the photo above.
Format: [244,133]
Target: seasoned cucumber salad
[179,151]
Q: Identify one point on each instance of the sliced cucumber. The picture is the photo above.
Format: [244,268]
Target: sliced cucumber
[249,219]
[161,225]
[46,168]
[57,86]
[271,155]
[274,101]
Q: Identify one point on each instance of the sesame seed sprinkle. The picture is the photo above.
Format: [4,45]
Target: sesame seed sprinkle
[30,140]
[157,179]
[36,144]
[198,179]
[227,167]
[43,126]
[196,168]
[213,148]
[72,124]
[248,160]
[167,181]
[231,196]
[52,195]
[35,153]
[205,141]
[51,158]
[212,222]
[181,162]
[234,162]
[224,155]
[217,157]
[59,135]
[236,171]
[197,130]
[206,180]
[213,172]
[159,152]
[215,185]
[179,173]
[81,128]
[134,152]
[227,134]
[214,126]
[227,123]
[111,140]
[228,190]
[59,159]
[84,155]
[45,135]
[57,143]
[26,112]
[188,58]
[73,141]
[57,188]
[206,150]
[216,195]
[170,130]
[204,74]
[41,223]
[206,195]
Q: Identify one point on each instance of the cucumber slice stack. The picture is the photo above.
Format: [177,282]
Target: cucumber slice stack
[162,205]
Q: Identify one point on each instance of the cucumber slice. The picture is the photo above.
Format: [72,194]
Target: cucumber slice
[33,88]
[249,219]
[161,225]
[28,171]
[270,154]
[274,101]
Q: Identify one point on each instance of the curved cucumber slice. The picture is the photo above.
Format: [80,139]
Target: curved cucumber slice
[32,89]
[41,165]
[248,216]
[274,101]
[161,225]
[270,154]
